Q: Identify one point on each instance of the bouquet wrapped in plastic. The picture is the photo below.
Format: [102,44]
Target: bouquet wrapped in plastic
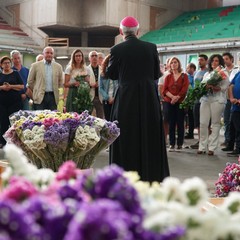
[51,138]
[201,88]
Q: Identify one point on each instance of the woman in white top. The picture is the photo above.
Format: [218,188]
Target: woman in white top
[212,106]
[76,67]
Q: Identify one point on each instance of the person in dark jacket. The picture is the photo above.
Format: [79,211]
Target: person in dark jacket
[11,85]
[141,145]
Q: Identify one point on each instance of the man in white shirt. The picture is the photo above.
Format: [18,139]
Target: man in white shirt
[95,72]
[232,70]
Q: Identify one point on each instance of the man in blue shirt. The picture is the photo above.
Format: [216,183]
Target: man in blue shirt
[234,96]
[23,72]
[202,62]
[191,68]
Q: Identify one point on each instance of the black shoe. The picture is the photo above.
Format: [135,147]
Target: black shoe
[179,148]
[227,149]
[195,146]
[224,144]
[188,136]
[234,153]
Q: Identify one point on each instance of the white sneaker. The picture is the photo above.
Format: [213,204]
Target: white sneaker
[171,148]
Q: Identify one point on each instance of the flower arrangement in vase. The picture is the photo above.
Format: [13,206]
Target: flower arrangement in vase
[51,138]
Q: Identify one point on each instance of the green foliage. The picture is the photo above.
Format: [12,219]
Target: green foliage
[233,208]
[201,89]
[193,95]
[83,100]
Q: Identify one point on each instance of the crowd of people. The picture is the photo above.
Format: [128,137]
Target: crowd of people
[221,102]
[38,88]
[122,87]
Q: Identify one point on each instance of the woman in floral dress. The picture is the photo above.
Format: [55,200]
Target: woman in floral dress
[76,67]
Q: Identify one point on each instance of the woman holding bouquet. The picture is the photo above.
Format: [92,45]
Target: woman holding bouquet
[174,91]
[212,104]
[75,69]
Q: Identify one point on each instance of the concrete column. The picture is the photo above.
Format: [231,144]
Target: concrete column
[84,39]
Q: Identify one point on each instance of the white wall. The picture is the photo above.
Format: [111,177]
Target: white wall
[231,2]
[93,13]
[70,13]
[39,13]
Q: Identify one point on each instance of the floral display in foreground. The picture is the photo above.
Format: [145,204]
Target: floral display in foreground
[109,204]
[75,205]
[51,138]
[200,89]
[229,180]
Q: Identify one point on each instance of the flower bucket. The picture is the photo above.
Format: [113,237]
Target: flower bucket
[50,138]
[3,165]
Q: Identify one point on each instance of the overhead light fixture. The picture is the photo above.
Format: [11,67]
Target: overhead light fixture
[62,57]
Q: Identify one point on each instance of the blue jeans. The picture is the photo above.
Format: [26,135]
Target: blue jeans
[236,124]
[226,116]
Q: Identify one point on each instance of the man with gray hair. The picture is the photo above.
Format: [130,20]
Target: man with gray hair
[95,72]
[141,145]
[100,57]
[39,57]
[23,72]
[45,78]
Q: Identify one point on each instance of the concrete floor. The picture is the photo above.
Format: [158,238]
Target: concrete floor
[188,163]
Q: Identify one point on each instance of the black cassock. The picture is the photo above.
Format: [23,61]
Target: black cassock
[141,145]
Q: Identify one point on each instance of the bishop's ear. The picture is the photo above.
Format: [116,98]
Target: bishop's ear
[120,30]
[137,32]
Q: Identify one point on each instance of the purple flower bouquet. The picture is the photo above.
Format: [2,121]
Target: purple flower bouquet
[78,205]
[50,138]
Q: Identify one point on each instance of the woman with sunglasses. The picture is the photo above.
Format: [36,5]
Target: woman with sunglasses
[10,96]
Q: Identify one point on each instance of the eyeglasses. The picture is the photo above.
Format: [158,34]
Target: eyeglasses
[93,55]
[6,63]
